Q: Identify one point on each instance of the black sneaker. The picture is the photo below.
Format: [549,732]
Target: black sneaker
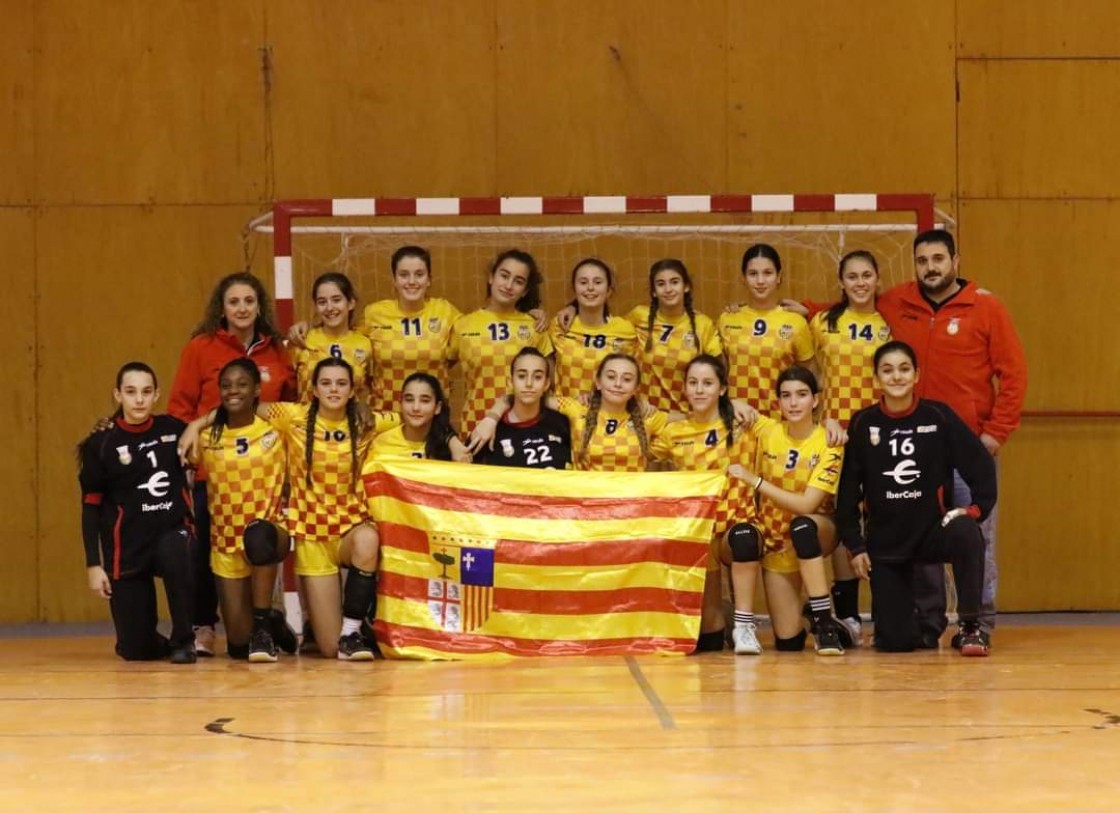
[184,654]
[352,648]
[282,633]
[308,644]
[975,643]
[828,638]
[807,614]
[262,648]
[956,641]
[369,637]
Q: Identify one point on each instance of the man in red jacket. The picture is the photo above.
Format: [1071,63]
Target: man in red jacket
[971,359]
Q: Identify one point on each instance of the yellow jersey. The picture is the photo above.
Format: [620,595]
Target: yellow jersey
[793,465]
[406,342]
[580,348]
[485,342]
[845,358]
[614,444]
[674,346]
[759,346]
[332,503]
[245,470]
[352,347]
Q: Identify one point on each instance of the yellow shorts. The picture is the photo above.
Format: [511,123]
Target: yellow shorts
[781,561]
[230,565]
[317,558]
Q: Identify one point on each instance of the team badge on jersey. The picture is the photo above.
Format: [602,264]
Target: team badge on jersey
[689,339]
[524,333]
[873,435]
[884,333]
[507,447]
[434,325]
[785,331]
[268,440]
[954,326]
[617,345]
[123,455]
[359,355]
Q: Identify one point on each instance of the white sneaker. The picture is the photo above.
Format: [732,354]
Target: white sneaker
[854,629]
[204,641]
[745,640]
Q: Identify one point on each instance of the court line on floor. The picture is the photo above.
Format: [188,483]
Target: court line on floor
[659,708]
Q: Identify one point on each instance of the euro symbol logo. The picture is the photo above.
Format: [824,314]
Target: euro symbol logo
[905,473]
[158,484]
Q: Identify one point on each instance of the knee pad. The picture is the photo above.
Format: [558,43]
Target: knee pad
[239,652]
[710,641]
[261,539]
[794,644]
[745,543]
[806,542]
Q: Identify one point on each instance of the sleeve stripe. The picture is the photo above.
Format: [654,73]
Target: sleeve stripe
[91,499]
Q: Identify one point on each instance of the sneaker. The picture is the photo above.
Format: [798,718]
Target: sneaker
[828,639]
[262,649]
[308,644]
[352,648]
[204,641]
[282,633]
[369,637]
[184,654]
[745,639]
[956,641]
[851,632]
[975,643]
[810,619]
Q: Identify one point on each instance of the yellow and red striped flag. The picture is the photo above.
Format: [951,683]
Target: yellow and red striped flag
[484,562]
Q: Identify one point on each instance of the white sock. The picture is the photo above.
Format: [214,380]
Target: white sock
[350,625]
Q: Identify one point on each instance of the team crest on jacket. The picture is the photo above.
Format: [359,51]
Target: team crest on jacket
[123,455]
[434,324]
[873,435]
[524,333]
[785,331]
[265,374]
[954,326]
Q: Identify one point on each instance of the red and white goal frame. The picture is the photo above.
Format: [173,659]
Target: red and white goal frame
[919,209]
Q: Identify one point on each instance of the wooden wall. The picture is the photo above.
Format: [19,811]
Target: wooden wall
[139,137]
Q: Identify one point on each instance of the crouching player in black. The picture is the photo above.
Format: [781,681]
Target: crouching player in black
[899,464]
[136,521]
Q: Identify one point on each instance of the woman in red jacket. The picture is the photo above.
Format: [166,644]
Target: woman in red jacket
[237,324]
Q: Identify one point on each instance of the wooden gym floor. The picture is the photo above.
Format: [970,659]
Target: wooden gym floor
[1034,727]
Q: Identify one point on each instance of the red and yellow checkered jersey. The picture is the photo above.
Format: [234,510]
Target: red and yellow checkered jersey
[485,342]
[352,347]
[393,445]
[759,346]
[405,343]
[793,465]
[333,503]
[674,346]
[580,348]
[246,476]
[692,446]
[846,361]
[614,443]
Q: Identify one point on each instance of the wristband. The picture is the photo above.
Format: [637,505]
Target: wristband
[952,514]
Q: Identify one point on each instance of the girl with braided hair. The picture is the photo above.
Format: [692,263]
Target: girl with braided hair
[612,433]
[670,334]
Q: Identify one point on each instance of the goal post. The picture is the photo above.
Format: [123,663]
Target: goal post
[708,232]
